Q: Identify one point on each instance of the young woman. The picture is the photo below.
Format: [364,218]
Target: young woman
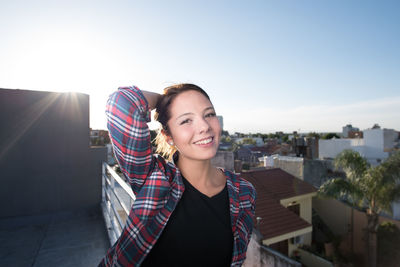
[186,212]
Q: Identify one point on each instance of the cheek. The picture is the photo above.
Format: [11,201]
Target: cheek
[182,135]
[216,126]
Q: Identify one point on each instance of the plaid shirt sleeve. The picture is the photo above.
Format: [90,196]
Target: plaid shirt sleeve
[247,196]
[127,114]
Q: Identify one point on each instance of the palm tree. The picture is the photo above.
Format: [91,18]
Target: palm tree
[369,188]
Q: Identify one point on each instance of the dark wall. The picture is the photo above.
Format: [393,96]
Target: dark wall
[317,172]
[45,161]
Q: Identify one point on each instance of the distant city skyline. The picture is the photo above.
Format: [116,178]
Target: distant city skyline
[267,65]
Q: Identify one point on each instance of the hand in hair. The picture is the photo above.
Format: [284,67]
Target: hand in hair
[151,98]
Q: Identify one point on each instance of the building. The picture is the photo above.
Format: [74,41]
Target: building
[221,122]
[306,147]
[244,154]
[283,209]
[258,141]
[250,154]
[51,187]
[99,137]
[111,160]
[223,159]
[261,151]
[375,145]
[348,130]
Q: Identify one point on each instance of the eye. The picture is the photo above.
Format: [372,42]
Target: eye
[211,114]
[185,121]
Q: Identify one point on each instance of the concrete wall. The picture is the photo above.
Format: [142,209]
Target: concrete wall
[374,138]
[292,165]
[259,256]
[312,260]
[389,138]
[329,149]
[334,213]
[359,226]
[313,171]
[374,143]
[349,223]
[46,164]
[316,172]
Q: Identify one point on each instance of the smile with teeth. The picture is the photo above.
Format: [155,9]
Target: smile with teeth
[204,141]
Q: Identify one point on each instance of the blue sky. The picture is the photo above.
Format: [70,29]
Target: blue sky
[267,65]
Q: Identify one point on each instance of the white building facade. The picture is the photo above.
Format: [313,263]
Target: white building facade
[375,146]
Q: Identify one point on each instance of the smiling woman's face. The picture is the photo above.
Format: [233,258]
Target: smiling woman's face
[194,127]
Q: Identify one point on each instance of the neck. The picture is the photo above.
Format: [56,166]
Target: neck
[198,170]
[200,173]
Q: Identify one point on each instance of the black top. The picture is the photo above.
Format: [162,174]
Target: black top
[198,233]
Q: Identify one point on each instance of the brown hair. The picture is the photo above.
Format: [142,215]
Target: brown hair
[163,114]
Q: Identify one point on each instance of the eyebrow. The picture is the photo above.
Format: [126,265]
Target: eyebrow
[191,113]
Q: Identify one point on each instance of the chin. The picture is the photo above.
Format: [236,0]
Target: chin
[202,156]
[210,155]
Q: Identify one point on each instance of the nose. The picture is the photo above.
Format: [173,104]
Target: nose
[203,125]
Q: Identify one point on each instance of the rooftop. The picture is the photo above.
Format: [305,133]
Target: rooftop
[272,186]
[69,238]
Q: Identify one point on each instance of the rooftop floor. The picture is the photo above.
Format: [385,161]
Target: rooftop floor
[74,238]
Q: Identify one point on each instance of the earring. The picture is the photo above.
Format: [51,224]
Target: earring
[171,143]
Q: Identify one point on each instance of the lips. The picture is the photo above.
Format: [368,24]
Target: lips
[204,141]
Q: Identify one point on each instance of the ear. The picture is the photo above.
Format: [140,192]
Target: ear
[167,137]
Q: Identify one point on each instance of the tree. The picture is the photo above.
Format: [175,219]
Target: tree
[285,138]
[249,141]
[330,136]
[313,134]
[373,189]
[376,126]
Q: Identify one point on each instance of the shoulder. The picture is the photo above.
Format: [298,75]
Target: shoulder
[167,168]
[245,189]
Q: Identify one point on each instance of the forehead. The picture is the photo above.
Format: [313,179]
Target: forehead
[189,102]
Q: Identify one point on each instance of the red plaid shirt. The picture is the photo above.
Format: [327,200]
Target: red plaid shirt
[158,185]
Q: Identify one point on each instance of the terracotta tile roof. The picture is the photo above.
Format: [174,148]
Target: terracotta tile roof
[273,185]
[278,183]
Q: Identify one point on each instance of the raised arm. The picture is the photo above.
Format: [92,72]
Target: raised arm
[128,112]
[151,98]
